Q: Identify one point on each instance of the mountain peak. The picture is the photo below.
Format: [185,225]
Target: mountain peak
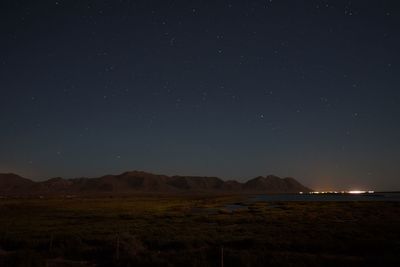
[11,182]
[274,184]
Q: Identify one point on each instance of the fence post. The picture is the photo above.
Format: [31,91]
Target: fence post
[117,249]
[51,242]
[222,256]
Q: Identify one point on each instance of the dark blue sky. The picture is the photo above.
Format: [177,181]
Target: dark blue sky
[235,89]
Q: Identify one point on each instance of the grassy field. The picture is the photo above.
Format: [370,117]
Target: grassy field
[197,231]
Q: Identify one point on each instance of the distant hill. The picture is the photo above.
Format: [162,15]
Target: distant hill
[141,182]
[10,183]
[272,184]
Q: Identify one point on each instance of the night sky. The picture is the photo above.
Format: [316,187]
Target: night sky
[235,89]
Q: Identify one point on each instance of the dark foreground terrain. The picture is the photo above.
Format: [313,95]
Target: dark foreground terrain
[197,231]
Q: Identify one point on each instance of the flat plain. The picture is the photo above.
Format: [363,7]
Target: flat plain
[197,231]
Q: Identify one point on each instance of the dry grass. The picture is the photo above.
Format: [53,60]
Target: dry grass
[190,231]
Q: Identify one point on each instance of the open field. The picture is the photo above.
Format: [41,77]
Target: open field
[196,231]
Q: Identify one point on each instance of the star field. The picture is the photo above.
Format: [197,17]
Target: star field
[235,89]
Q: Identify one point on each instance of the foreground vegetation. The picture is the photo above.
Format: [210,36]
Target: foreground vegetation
[197,231]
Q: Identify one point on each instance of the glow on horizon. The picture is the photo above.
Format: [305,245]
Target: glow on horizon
[342,192]
[360,192]
[357,192]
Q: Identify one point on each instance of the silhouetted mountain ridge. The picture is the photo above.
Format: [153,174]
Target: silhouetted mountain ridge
[10,182]
[143,182]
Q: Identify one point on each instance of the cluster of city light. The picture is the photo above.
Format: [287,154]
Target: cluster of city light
[360,192]
[340,192]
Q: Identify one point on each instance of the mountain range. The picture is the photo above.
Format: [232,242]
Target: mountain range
[135,182]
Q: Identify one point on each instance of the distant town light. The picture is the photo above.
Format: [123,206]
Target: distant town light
[342,192]
[357,192]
